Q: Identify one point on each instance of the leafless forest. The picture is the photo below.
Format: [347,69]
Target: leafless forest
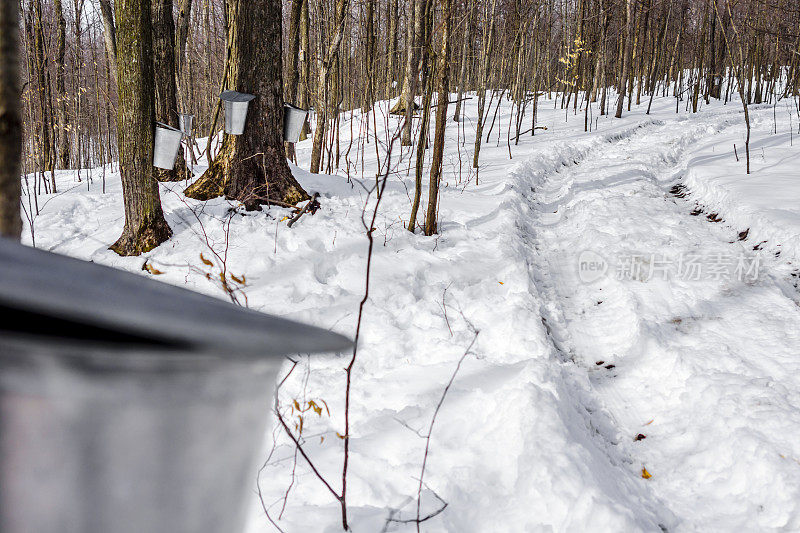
[339,55]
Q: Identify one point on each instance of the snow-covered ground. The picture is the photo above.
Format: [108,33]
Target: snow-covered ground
[637,366]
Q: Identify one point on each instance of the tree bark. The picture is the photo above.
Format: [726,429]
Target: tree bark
[61,90]
[739,69]
[368,98]
[484,77]
[43,92]
[406,103]
[145,226]
[252,167]
[182,34]
[422,139]
[109,34]
[10,121]
[700,57]
[291,81]
[304,66]
[626,61]
[290,78]
[391,47]
[714,77]
[464,60]
[324,64]
[431,225]
[165,78]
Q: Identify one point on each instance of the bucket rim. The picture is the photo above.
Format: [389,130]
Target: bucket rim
[161,125]
[235,96]
[38,283]
[292,106]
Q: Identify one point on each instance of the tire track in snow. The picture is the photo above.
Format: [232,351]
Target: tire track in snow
[600,423]
[613,420]
[615,198]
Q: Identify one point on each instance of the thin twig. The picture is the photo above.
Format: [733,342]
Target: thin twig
[305,208]
[433,421]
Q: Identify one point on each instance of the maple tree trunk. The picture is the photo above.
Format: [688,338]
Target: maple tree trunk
[252,167]
[484,77]
[166,87]
[626,61]
[145,226]
[441,119]
[61,90]
[10,121]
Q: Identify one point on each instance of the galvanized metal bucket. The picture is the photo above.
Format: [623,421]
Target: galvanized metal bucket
[293,120]
[236,105]
[128,405]
[166,146]
[186,122]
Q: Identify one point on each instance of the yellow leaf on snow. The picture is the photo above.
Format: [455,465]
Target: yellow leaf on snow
[646,474]
[150,268]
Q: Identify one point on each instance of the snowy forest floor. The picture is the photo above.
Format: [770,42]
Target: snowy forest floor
[635,293]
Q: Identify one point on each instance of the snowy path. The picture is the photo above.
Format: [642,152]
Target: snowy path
[707,370]
[534,435]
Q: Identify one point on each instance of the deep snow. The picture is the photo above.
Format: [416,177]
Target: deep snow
[535,435]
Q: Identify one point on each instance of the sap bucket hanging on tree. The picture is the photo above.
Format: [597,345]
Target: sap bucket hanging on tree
[186,123]
[235,111]
[128,405]
[167,143]
[294,118]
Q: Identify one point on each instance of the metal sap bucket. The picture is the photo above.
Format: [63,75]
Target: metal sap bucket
[186,123]
[235,111]
[293,120]
[128,405]
[166,146]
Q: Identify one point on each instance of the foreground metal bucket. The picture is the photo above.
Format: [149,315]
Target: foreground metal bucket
[130,406]
[128,439]
[293,120]
[236,105]
[167,144]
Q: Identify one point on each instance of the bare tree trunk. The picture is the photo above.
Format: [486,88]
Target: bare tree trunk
[43,91]
[739,69]
[109,34]
[290,77]
[700,55]
[484,77]
[182,34]
[469,22]
[441,119]
[391,47]
[304,66]
[626,61]
[406,103]
[165,78]
[10,121]
[422,139]
[600,54]
[61,90]
[251,167]
[368,97]
[291,81]
[324,64]
[714,78]
[145,226]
